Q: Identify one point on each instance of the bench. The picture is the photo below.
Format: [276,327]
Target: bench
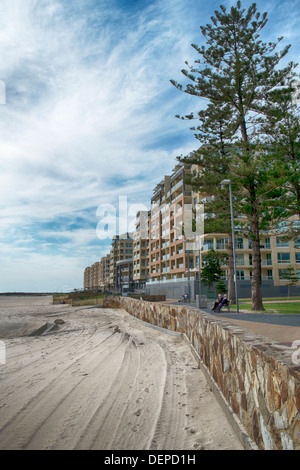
[225,306]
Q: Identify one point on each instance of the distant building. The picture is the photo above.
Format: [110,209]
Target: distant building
[87,280]
[141,245]
[120,275]
[104,271]
[92,277]
[168,256]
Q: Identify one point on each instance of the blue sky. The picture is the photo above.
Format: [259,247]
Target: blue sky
[89,116]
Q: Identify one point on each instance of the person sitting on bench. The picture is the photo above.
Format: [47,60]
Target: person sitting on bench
[224,303]
[217,302]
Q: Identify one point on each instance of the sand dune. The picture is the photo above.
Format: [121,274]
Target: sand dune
[101,380]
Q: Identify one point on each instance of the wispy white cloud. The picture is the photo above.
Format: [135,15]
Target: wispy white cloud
[84,119]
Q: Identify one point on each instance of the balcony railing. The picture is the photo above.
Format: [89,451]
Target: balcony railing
[177,185]
[170,280]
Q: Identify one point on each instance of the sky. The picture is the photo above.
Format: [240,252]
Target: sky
[87,119]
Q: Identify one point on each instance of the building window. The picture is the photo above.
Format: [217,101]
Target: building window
[297,242]
[269,259]
[240,259]
[297,258]
[240,275]
[283,258]
[239,243]
[222,244]
[281,243]
[270,274]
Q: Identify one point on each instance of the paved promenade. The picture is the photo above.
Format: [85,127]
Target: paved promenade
[281,328]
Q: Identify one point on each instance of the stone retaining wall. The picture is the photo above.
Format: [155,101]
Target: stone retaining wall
[255,377]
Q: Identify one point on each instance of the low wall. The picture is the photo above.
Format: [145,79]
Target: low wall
[59,299]
[67,299]
[255,377]
[78,303]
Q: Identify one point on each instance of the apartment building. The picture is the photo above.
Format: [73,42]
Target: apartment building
[277,255]
[87,279]
[97,276]
[92,277]
[141,247]
[174,269]
[104,271]
[121,262]
[170,260]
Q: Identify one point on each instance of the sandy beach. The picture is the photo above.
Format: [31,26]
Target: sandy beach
[101,380]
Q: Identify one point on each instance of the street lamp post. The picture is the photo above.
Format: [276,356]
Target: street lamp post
[189,274]
[200,291]
[233,241]
[188,268]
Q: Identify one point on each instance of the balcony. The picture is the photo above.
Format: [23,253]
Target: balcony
[176,186]
[222,245]
[168,280]
[165,245]
[207,246]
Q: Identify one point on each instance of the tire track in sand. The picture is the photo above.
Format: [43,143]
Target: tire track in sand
[31,406]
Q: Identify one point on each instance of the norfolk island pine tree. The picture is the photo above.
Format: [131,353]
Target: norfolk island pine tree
[239,71]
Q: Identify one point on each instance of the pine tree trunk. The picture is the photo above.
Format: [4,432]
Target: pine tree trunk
[231,287]
[256,288]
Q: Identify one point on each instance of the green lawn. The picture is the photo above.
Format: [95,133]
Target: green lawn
[284,308]
[273,299]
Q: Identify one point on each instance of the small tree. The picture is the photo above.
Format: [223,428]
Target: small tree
[290,276]
[221,287]
[211,271]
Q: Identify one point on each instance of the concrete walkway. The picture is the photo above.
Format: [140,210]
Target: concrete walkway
[283,329]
